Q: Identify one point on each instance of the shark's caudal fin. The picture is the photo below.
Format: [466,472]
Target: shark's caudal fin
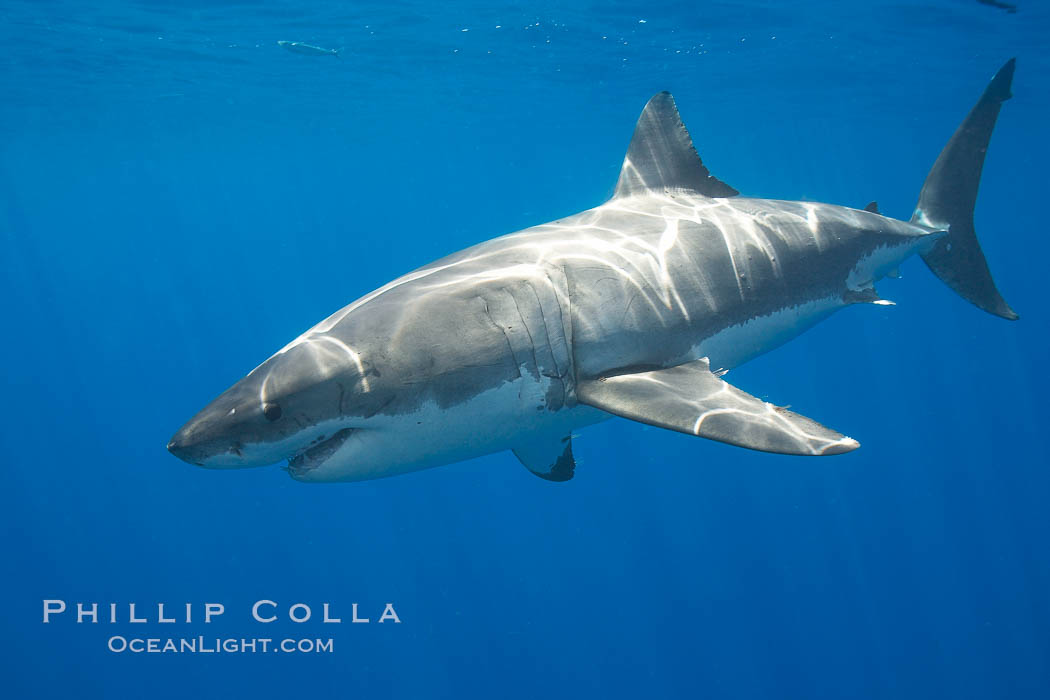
[661,156]
[948,197]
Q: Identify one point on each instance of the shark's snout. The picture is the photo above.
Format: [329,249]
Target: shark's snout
[179,447]
[198,443]
[216,438]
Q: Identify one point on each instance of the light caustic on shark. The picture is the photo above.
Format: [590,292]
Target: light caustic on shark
[635,308]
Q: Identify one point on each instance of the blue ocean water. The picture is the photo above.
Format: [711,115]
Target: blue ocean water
[180,196]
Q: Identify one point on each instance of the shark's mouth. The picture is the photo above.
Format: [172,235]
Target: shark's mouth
[315,456]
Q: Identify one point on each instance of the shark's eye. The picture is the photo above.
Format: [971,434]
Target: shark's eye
[272,411]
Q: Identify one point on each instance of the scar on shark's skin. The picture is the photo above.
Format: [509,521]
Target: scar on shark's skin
[636,308]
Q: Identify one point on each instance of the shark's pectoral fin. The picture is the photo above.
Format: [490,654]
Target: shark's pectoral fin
[548,459]
[691,399]
[661,156]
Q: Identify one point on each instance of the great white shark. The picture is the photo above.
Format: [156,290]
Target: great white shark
[636,308]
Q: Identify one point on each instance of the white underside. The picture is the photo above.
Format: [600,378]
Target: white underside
[498,419]
[735,345]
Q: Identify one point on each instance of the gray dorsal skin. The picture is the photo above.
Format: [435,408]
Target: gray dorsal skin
[516,342]
[689,398]
[661,156]
[948,198]
[549,459]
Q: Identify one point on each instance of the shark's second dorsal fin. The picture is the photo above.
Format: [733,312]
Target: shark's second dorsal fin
[661,156]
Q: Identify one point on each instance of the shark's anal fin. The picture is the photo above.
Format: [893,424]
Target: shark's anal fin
[548,459]
[661,156]
[690,399]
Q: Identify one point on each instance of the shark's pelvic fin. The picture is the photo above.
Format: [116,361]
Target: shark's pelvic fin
[548,459]
[690,399]
[948,198]
[661,156]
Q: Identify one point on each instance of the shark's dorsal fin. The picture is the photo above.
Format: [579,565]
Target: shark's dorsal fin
[661,156]
[873,207]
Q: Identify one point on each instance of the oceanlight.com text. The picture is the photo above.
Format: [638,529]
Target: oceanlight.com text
[218,645]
